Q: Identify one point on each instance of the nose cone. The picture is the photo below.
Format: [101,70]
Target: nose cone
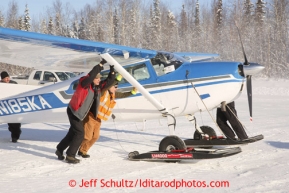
[253,68]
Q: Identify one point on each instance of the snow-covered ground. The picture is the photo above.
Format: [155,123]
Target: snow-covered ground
[31,165]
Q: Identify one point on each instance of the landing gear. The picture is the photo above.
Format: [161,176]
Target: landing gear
[174,149]
[207,130]
[170,143]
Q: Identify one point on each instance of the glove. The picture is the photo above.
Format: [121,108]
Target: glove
[111,68]
[103,61]
[134,91]
[118,77]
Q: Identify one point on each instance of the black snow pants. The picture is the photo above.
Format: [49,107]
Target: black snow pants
[228,115]
[15,129]
[74,137]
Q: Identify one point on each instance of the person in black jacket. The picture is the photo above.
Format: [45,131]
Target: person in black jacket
[14,128]
[229,113]
[92,124]
[84,100]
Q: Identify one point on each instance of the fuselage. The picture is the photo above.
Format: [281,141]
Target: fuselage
[186,90]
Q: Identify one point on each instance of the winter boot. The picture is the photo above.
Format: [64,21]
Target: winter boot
[72,160]
[60,155]
[84,155]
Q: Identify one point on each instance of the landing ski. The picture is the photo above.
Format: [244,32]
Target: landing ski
[179,155]
[220,141]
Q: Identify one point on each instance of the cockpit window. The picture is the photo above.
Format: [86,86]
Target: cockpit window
[138,71]
[165,62]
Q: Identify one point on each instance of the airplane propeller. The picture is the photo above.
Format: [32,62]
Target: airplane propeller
[249,93]
[249,70]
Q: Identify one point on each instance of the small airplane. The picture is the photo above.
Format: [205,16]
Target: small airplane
[169,85]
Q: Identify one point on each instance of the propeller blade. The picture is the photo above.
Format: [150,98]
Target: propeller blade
[251,70]
[249,94]
[245,57]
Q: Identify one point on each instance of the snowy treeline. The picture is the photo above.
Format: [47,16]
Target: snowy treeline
[194,27]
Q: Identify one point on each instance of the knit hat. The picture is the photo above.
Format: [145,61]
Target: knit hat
[98,75]
[4,74]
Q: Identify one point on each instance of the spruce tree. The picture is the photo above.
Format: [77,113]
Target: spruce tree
[1,19]
[43,27]
[132,27]
[50,29]
[82,29]
[156,25]
[27,19]
[197,30]
[20,24]
[260,12]
[115,27]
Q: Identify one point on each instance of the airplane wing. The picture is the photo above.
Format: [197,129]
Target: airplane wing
[37,50]
[197,57]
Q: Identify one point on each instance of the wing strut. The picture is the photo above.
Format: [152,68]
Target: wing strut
[142,90]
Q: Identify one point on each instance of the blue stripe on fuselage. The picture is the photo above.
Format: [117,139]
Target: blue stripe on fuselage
[190,86]
[196,85]
[30,104]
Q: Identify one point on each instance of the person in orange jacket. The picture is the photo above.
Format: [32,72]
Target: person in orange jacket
[84,100]
[92,125]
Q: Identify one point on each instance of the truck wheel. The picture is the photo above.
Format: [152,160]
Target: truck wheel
[170,143]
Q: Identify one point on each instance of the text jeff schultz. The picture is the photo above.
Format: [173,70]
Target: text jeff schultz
[149,183]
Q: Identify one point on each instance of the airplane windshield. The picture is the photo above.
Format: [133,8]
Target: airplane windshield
[166,62]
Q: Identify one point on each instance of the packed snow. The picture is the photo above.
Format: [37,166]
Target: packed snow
[31,165]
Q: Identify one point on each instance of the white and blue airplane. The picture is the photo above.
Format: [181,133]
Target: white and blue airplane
[169,84]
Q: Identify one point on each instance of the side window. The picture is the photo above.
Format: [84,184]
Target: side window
[37,75]
[138,71]
[48,75]
[159,68]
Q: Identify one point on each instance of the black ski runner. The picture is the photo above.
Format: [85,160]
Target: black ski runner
[221,141]
[188,154]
